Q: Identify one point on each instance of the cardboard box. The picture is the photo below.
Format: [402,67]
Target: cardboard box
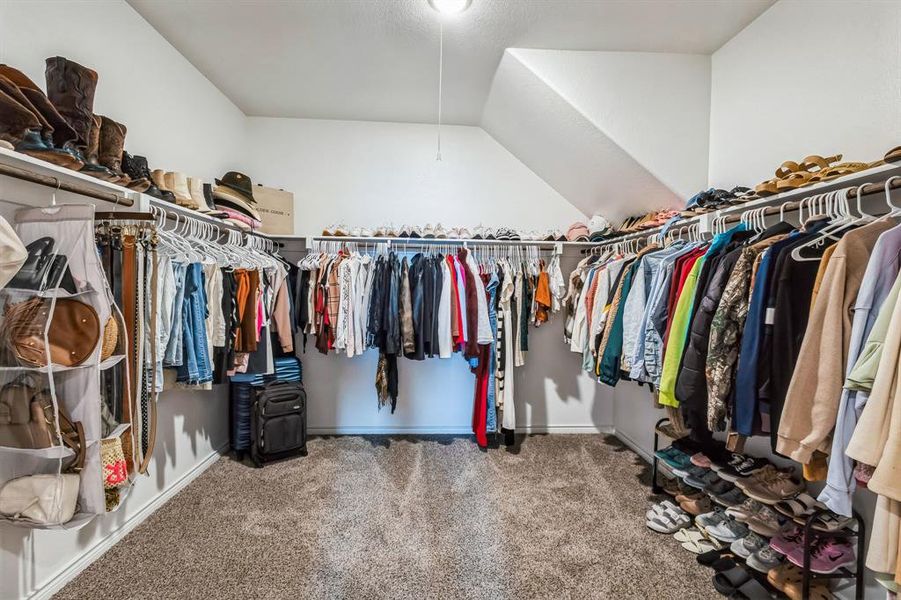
[276,208]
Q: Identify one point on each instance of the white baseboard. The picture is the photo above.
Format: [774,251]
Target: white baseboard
[425,430]
[635,446]
[96,551]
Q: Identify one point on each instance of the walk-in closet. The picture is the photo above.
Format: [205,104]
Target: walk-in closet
[453,299]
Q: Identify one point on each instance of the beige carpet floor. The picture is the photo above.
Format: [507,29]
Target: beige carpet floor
[397,517]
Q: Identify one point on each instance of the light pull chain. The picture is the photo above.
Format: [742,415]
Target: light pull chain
[440,78]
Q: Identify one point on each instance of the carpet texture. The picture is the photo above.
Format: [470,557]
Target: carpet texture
[398,517]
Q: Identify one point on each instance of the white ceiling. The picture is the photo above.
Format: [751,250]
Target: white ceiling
[377,59]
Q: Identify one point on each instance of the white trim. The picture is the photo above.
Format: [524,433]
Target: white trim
[635,446]
[84,560]
[451,430]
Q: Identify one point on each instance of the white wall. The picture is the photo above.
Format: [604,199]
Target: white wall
[180,121]
[806,77]
[175,116]
[366,174]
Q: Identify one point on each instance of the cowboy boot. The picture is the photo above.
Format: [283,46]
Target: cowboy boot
[71,87]
[136,169]
[63,136]
[112,142]
[43,150]
[92,164]
[20,127]
[158,177]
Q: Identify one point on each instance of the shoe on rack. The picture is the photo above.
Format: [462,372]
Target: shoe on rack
[746,546]
[110,148]
[788,539]
[660,508]
[764,559]
[195,190]
[699,459]
[158,177]
[428,232]
[21,128]
[465,234]
[765,472]
[745,510]
[138,173]
[416,232]
[725,494]
[404,231]
[746,467]
[696,506]
[827,555]
[56,134]
[773,485]
[765,522]
[733,461]
[697,477]
[177,183]
[728,530]
[440,233]
[71,88]
[490,234]
[706,520]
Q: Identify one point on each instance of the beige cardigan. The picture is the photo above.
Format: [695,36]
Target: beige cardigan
[811,403]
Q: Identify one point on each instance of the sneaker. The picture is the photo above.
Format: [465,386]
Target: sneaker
[697,477]
[733,497]
[674,458]
[733,461]
[748,545]
[478,233]
[711,518]
[788,539]
[764,472]
[764,559]
[428,232]
[719,487]
[745,510]
[745,468]
[696,506]
[826,555]
[765,522]
[440,233]
[774,485]
[728,530]
[415,232]
[404,231]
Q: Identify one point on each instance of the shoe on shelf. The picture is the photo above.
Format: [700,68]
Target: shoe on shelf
[669,521]
[746,546]
[110,147]
[733,461]
[711,518]
[766,522]
[138,172]
[56,134]
[729,498]
[745,510]
[698,477]
[765,472]
[728,530]
[478,233]
[788,539]
[696,506]
[746,467]
[773,485]
[764,559]
[700,460]
[660,508]
[404,231]
[440,233]
[827,555]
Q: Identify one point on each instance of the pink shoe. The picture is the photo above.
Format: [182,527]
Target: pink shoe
[699,460]
[826,555]
[788,539]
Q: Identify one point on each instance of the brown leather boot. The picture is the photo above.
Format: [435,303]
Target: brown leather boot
[92,164]
[112,142]
[43,150]
[19,126]
[71,87]
[63,136]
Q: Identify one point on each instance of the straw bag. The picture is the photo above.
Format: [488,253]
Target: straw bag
[115,469]
[110,338]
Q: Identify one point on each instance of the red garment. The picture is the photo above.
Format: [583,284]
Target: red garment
[680,274]
[458,314]
[480,401]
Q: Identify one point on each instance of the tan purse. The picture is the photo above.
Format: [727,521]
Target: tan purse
[28,420]
[115,469]
[42,499]
[72,336]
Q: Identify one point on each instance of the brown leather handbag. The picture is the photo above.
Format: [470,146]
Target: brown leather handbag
[72,336]
[28,420]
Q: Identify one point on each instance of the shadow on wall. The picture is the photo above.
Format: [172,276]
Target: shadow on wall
[184,423]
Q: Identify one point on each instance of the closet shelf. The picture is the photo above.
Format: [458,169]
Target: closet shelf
[180,212]
[434,241]
[33,170]
[869,176]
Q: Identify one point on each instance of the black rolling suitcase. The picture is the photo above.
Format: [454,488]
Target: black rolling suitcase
[278,422]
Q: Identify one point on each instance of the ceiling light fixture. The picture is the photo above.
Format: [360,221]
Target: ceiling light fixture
[450,7]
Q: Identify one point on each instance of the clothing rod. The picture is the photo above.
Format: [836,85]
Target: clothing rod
[733,214]
[455,241]
[55,183]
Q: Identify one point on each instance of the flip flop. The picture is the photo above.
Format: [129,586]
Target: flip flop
[699,546]
[689,535]
[708,558]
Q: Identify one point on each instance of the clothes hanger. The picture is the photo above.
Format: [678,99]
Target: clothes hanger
[835,206]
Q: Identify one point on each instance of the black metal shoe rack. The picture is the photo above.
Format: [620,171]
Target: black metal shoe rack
[809,576]
[842,573]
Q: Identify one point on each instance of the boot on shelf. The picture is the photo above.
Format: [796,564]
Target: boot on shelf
[158,177]
[70,88]
[40,145]
[64,137]
[112,142]
[136,169]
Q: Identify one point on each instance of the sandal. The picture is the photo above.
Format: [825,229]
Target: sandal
[752,590]
[660,508]
[794,181]
[708,558]
[829,522]
[766,188]
[788,579]
[840,170]
[669,522]
[815,163]
[787,168]
[699,546]
[727,582]
[893,155]
[799,507]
